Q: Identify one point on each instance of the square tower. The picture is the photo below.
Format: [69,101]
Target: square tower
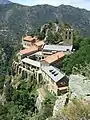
[68,37]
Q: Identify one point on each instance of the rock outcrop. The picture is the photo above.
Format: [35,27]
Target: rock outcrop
[40,98]
[79,87]
[59,104]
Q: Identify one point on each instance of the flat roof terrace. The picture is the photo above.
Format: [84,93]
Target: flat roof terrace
[58,48]
[31,62]
[30,38]
[53,73]
[30,50]
[39,43]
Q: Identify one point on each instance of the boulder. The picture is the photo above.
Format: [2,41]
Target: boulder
[79,86]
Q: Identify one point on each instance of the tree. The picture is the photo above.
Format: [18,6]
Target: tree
[8,90]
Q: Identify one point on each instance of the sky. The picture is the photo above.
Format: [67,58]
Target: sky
[76,3]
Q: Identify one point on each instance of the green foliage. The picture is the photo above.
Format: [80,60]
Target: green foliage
[41,36]
[8,90]
[52,38]
[77,40]
[47,108]
[20,102]
[53,33]
[2,79]
[50,98]
[48,105]
[83,70]
[3,112]
[77,110]
[18,19]
[80,58]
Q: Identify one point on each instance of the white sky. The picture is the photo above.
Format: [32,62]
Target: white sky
[77,3]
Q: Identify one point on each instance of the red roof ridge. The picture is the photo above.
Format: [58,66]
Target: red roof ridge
[54,57]
[29,50]
[39,43]
[30,38]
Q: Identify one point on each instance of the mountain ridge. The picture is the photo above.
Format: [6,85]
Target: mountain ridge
[20,19]
[5,2]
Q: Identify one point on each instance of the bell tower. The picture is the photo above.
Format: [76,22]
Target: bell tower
[68,37]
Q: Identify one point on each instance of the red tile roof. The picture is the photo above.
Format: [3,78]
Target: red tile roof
[39,43]
[30,50]
[30,38]
[54,57]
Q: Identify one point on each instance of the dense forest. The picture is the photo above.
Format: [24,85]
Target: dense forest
[19,19]
[79,61]
[20,103]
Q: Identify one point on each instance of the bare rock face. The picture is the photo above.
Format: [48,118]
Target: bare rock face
[59,104]
[40,98]
[79,87]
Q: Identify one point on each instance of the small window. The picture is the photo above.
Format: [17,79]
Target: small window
[42,57]
[56,74]
[69,37]
[23,66]
[66,37]
[50,70]
[28,68]
[53,72]
[67,49]
[70,33]
[66,32]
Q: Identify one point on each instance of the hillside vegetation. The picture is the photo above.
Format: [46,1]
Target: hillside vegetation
[20,103]
[17,20]
[18,95]
[52,32]
[79,62]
